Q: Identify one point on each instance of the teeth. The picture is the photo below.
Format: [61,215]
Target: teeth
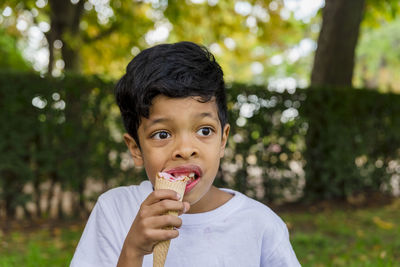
[192,175]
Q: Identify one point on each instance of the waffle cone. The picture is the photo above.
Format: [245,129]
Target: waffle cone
[160,250]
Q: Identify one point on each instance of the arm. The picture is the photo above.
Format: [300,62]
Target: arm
[281,252]
[147,228]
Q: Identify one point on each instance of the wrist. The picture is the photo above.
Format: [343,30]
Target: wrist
[130,257]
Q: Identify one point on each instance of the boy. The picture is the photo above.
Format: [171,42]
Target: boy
[173,104]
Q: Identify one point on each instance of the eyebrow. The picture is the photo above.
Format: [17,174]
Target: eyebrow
[206,114]
[164,120]
[156,121]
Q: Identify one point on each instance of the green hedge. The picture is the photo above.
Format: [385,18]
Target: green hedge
[266,142]
[56,130]
[67,130]
[353,142]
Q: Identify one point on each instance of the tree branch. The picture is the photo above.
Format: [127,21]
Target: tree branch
[102,34]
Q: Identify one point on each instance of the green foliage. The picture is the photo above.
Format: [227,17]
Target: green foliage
[110,33]
[377,11]
[353,145]
[100,34]
[67,130]
[378,54]
[57,130]
[269,34]
[264,154]
[10,56]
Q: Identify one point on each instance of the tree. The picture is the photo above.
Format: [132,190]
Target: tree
[342,22]
[65,19]
[334,58]
[240,33]
[101,36]
[332,114]
[73,26]
[11,57]
[378,58]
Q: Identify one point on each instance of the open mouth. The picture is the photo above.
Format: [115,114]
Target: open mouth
[193,176]
[191,171]
[194,172]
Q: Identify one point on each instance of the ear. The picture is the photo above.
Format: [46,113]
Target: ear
[134,149]
[225,135]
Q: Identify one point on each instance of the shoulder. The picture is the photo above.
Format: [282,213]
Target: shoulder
[259,219]
[257,212]
[117,207]
[125,195]
[274,235]
[108,225]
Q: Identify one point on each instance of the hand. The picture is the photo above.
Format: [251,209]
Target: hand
[148,227]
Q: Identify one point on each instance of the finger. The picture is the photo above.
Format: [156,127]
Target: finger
[164,234]
[161,207]
[157,235]
[186,207]
[166,205]
[164,221]
[161,194]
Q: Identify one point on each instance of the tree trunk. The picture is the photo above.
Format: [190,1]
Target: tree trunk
[51,193]
[50,40]
[12,187]
[65,18]
[334,58]
[37,195]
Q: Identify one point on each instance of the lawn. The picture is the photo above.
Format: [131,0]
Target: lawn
[324,237]
[347,237]
[47,245]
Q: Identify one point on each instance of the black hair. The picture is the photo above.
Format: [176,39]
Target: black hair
[176,70]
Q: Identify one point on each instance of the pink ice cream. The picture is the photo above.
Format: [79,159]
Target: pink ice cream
[172,178]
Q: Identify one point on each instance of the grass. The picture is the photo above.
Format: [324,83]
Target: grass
[329,237]
[44,246]
[347,237]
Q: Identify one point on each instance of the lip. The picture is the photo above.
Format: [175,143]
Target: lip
[185,169]
[191,184]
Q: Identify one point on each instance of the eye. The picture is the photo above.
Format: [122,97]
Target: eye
[205,131]
[160,135]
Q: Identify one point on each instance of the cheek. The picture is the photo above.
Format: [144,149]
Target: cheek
[214,160]
[150,169]
[153,162]
[151,176]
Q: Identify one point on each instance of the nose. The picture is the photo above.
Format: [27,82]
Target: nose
[185,148]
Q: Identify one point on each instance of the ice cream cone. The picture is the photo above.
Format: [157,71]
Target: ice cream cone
[160,250]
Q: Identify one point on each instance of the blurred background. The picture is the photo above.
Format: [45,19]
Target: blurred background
[313,98]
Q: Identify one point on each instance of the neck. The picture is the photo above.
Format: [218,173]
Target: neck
[213,199]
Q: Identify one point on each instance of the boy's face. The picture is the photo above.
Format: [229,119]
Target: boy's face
[182,135]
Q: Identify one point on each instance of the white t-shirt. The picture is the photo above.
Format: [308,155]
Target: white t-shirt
[242,232]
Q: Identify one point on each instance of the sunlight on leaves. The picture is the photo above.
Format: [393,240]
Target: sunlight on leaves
[382,224]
